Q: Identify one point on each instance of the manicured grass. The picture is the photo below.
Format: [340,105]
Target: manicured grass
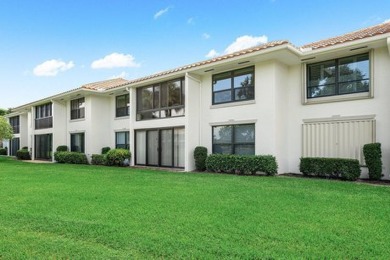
[67,211]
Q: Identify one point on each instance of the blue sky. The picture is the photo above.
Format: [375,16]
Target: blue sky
[48,46]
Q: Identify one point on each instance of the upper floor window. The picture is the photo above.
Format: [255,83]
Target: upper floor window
[15,123]
[77,108]
[161,100]
[234,139]
[122,105]
[43,116]
[342,76]
[232,86]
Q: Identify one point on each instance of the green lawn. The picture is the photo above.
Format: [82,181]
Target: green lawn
[66,211]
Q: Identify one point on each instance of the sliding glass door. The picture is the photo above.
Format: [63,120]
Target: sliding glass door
[160,147]
[43,147]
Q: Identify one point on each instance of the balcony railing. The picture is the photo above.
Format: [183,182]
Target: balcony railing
[46,122]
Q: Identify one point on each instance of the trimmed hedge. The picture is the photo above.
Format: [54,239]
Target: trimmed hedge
[98,159]
[200,156]
[373,157]
[3,151]
[70,157]
[24,148]
[118,157]
[62,148]
[23,154]
[242,164]
[346,169]
[105,150]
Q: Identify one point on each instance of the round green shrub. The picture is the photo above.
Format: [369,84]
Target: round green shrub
[373,157]
[70,157]
[98,159]
[23,154]
[105,150]
[117,157]
[200,156]
[62,148]
[3,151]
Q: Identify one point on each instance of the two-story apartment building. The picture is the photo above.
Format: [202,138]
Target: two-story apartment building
[326,99]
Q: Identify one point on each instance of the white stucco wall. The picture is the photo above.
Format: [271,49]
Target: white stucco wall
[379,105]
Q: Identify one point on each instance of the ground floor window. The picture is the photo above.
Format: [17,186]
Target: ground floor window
[15,146]
[122,140]
[234,139]
[160,147]
[43,146]
[77,142]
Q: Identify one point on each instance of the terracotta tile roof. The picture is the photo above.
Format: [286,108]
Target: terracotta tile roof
[106,84]
[356,35]
[216,59]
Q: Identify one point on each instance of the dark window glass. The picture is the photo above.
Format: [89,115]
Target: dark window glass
[15,124]
[43,116]
[338,77]
[161,100]
[122,105]
[122,140]
[233,86]
[77,143]
[234,139]
[77,108]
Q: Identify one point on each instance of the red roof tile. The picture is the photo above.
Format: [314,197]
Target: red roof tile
[356,35]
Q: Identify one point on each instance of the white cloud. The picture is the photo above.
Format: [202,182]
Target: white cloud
[244,42]
[52,67]
[123,75]
[212,53]
[386,21]
[191,20]
[161,12]
[115,60]
[206,36]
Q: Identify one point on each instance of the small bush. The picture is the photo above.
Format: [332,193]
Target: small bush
[98,159]
[373,157]
[70,157]
[62,148]
[24,148]
[200,156]
[242,164]
[3,151]
[23,154]
[346,169]
[105,150]
[117,157]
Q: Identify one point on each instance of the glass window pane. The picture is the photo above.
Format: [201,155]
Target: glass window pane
[322,73]
[77,142]
[156,94]
[354,68]
[244,93]
[166,147]
[353,87]
[243,81]
[222,134]
[244,133]
[223,148]
[321,91]
[222,84]
[223,96]
[164,95]
[146,98]
[179,147]
[174,91]
[244,149]
[152,144]
[140,151]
